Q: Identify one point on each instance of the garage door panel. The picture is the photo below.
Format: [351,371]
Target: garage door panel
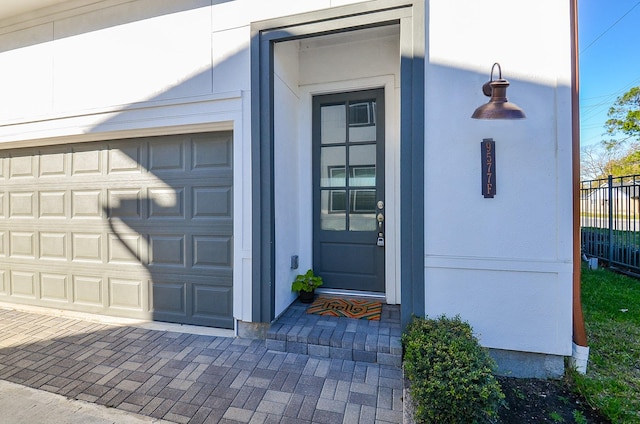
[87,290]
[211,202]
[211,251]
[125,203]
[167,155]
[87,160]
[136,228]
[125,159]
[211,152]
[125,294]
[22,244]
[125,249]
[53,204]
[22,167]
[53,164]
[22,204]
[169,298]
[167,250]
[86,204]
[86,247]
[214,302]
[23,284]
[166,202]
[53,246]
[54,287]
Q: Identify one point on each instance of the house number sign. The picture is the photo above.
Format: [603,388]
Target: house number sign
[488,155]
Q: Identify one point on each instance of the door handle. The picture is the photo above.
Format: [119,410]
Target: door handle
[380,219]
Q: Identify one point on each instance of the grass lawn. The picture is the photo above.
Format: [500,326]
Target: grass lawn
[611,304]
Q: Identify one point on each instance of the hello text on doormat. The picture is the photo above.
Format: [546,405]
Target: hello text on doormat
[349,308]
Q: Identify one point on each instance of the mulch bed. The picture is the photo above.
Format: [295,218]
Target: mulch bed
[544,401]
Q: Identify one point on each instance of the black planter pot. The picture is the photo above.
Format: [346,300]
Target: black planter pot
[306,297]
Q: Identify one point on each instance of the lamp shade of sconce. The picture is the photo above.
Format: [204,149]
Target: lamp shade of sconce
[498,106]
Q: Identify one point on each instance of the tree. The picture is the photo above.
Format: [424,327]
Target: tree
[600,160]
[594,161]
[624,117]
[629,164]
[620,155]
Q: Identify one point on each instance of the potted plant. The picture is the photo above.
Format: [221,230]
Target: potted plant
[305,284]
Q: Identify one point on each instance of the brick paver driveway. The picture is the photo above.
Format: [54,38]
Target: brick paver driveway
[191,378]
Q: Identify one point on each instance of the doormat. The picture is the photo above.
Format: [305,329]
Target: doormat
[349,308]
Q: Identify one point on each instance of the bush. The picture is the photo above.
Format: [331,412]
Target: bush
[450,374]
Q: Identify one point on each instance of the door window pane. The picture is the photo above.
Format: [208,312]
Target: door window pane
[332,166]
[333,206]
[362,214]
[362,165]
[362,176]
[333,124]
[362,121]
[363,201]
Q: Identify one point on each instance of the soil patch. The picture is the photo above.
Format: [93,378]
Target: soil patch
[544,401]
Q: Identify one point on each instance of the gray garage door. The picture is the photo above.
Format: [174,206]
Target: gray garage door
[138,228]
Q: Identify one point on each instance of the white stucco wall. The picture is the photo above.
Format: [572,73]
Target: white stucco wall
[504,264]
[287,172]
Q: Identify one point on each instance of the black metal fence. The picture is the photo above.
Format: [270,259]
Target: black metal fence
[610,220]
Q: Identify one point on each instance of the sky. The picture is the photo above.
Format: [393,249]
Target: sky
[609,39]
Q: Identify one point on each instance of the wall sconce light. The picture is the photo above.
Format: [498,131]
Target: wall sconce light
[498,106]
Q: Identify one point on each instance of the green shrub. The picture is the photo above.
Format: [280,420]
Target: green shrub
[450,374]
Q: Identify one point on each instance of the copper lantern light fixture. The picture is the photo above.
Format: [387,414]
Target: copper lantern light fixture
[498,106]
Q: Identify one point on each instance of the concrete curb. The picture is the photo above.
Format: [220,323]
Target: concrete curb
[20,404]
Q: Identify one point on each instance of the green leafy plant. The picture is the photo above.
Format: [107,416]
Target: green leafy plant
[518,393]
[579,417]
[556,417]
[450,374]
[307,282]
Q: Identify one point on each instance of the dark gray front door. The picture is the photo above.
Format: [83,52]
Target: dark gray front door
[348,181]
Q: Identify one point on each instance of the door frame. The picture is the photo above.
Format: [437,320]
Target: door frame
[392,165]
[412,17]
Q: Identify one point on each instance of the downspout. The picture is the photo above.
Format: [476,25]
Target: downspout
[580,351]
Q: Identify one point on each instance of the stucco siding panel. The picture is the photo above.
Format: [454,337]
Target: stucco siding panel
[524,311]
[529,217]
[26,60]
[231,60]
[165,56]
